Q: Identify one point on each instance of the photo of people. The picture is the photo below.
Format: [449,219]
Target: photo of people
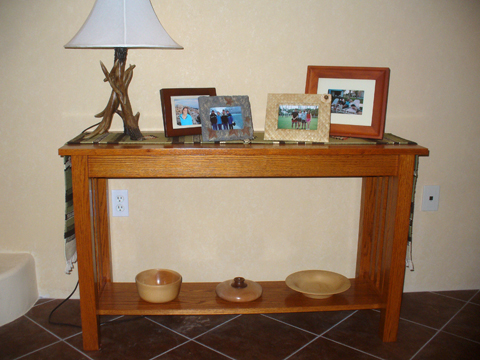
[185,111]
[226,118]
[347,101]
[297,117]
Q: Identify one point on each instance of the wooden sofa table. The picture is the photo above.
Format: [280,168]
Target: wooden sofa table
[388,175]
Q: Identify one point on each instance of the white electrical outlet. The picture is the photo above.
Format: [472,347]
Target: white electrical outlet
[431,196]
[119,202]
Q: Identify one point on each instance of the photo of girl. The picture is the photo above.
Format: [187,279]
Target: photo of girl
[181,110]
[185,111]
[185,117]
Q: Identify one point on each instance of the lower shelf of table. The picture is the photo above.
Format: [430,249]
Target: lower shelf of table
[201,299]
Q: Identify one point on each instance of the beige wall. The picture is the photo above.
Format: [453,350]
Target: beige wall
[251,47]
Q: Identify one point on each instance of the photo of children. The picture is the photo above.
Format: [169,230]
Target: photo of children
[226,118]
[297,117]
[348,102]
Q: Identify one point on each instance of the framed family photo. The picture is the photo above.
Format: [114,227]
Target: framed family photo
[359,98]
[298,117]
[226,118]
[181,111]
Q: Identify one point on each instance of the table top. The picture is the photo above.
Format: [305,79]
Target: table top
[175,146]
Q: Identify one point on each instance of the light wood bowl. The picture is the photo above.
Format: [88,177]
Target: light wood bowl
[158,285]
[317,284]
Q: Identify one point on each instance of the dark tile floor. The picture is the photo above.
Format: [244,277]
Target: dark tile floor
[440,325]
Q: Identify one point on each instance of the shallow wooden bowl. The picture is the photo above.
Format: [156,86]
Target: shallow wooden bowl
[317,284]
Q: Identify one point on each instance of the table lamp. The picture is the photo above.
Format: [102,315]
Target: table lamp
[120,25]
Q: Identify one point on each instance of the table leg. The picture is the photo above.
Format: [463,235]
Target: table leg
[396,235]
[382,241]
[85,255]
[372,230]
[103,264]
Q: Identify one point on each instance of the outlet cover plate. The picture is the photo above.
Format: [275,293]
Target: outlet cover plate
[120,203]
[431,197]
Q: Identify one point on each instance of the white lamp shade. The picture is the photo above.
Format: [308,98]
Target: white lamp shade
[122,24]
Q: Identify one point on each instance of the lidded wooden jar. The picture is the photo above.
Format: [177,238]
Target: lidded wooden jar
[239,290]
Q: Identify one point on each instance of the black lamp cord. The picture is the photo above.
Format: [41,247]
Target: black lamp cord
[78,326]
[63,302]
[88,128]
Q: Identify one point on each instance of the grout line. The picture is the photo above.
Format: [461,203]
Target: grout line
[438,332]
[285,323]
[70,336]
[322,336]
[417,323]
[34,351]
[451,297]
[216,327]
[167,328]
[189,338]
[45,302]
[307,331]
[196,342]
[336,342]
[111,320]
[58,337]
[353,348]
[471,298]
[302,347]
[461,337]
[167,351]
[44,328]
[338,323]
[192,339]
[218,352]
[431,327]
[78,350]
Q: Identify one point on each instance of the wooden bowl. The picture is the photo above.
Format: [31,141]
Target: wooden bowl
[158,285]
[317,284]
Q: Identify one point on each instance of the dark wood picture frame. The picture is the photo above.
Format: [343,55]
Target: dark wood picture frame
[166,96]
[375,129]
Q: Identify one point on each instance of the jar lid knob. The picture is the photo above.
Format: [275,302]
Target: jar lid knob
[239,283]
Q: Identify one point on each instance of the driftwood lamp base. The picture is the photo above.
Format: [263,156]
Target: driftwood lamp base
[119,80]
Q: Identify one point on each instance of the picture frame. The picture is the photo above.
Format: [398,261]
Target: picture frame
[298,117]
[237,127]
[174,99]
[367,86]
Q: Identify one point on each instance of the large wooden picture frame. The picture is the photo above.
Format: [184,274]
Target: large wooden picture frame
[174,99]
[359,98]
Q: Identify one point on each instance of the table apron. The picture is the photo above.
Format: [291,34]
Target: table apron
[236,166]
